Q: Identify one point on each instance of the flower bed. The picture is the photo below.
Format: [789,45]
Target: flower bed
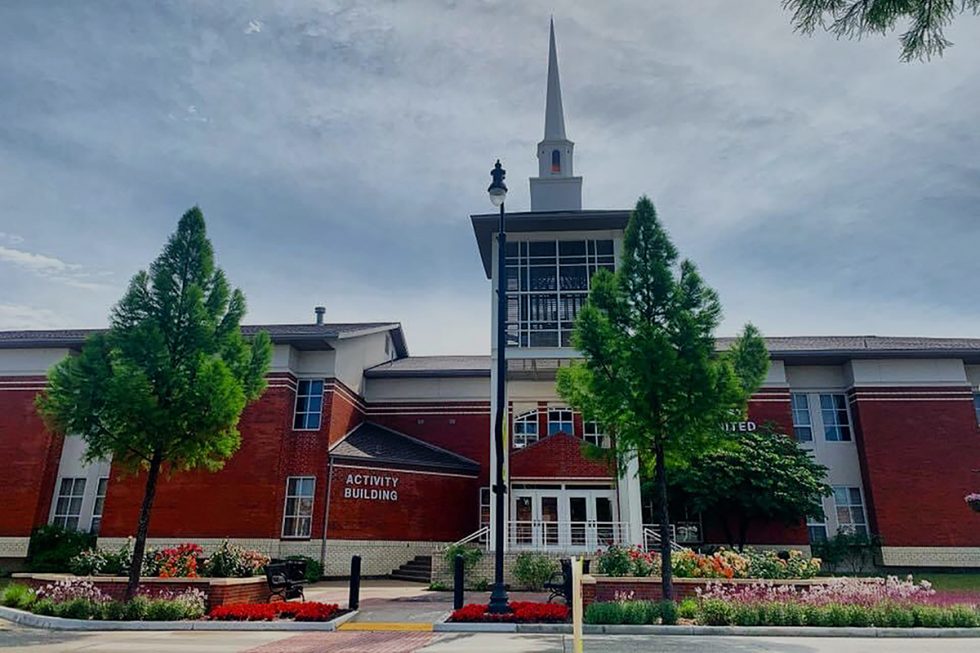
[182,561]
[310,611]
[634,561]
[84,600]
[521,612]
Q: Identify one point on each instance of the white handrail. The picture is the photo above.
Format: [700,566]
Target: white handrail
[475,535]
[651,534]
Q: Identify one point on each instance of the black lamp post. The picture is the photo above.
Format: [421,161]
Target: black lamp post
[498,193]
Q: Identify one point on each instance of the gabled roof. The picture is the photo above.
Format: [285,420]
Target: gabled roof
[301,336]
[485,225]
[378,445]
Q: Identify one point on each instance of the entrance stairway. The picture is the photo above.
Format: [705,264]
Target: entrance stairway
[417,570]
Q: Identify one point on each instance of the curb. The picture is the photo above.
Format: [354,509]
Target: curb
[452,627]
[722,631]
[58,623]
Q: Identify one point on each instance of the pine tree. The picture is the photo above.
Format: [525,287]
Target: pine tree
[650,372]
[167,383]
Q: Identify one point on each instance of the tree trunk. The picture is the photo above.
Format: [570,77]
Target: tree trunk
[743,533]
[727,529]
[660,479]
[139,547]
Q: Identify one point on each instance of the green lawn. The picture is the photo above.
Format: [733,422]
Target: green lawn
[961,582]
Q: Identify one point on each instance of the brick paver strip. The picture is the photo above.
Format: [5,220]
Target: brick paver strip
[350,642]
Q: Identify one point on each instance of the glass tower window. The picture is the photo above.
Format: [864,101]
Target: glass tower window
[547,285]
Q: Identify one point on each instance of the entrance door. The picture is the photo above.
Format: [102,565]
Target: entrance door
[564,518]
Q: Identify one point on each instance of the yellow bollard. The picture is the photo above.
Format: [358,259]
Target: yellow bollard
[576,605]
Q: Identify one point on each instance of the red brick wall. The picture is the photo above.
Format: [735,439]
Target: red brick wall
[918,447]
[342,411]
[429,507]
[30,458]
[557,456]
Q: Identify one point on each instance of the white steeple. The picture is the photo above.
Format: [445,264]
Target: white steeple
[555,188]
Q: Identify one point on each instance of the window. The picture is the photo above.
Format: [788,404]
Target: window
[547,285]
[802,426]
[485,497]
[525,429]
[976,405]
[100,493]
[309,404]
[836,423]
[555,161]
[594,434]
[560,421]
[849,509]
[297,520]
[817,530]
[68,506]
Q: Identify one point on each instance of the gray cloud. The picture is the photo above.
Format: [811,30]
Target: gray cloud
[337,149]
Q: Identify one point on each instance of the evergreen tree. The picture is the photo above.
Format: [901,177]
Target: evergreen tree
[650,372]
[167,383]
[763,476]
[855,18]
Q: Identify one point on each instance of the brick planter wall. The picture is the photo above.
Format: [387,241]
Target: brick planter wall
[219,591]
[604,588]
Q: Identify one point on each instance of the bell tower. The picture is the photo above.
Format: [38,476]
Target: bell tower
[555,188]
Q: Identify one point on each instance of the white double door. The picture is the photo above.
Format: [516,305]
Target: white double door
[563,518]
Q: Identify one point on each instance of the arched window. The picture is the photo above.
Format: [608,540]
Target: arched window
[525,429]
[555,161]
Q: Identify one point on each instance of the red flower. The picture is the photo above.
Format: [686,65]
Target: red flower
[521,612]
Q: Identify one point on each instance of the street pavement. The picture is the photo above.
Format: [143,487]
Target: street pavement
[16,638]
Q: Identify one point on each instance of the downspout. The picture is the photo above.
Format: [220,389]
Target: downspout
[326,517]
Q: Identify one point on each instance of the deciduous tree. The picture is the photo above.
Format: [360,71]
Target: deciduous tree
[650,372]
[166,384]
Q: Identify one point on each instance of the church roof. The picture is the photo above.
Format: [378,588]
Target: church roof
[554,116]
[378,445]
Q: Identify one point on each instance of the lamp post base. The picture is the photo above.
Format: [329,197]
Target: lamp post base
[498,600]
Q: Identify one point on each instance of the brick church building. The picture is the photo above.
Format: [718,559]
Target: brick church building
[358,447]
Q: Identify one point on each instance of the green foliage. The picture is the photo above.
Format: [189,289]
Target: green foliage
[650,372]
[603,612]
[854,552]
[114,563]
[688,609]
[761,476]
[638,613]
[314,570]
[113,611]
[234,561]
[746,614]
[480,585]
[137,608]
[438,586]
[169,380]
[533,570]
[52,547]
[926,20]
[43,607]
[78,609]
[471,556]
[165,610]
[614,561]
[715,612]
[17,596]
[668,612]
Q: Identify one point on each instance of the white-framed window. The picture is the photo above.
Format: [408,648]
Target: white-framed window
[836,421]
[526,429]
[485,498]
[802,423]
[297,518]
[547,284]
[817,530]
[309,404]
[594,434]
[976,405]
[97,508]
[849,509]
[561,420]
[68,505]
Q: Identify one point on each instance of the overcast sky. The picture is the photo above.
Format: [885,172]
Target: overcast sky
[338,148]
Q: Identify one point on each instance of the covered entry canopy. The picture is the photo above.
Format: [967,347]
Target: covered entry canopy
[375,445]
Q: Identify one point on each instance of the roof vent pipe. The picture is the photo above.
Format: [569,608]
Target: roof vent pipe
[320,311]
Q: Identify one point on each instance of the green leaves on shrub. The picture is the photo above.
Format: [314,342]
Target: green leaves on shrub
[533,570]
[603,612]
[17,596]
[163,610]
[78,609]
[314,570]
[668,613]
[52,547]
[113,611]
[137,608]
[688,609]
[43,607]
[715,612]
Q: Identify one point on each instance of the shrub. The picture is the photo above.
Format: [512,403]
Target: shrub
[521,612]
[113,611]
[69,590]
[179,561]
[43,607]
[310,611]
[533,570]
[637,613]
[471,556]
[78,609]
[244,612]
[962,616]
[747,614]
[688,609]
[51,547]
[137,608]
[165,610]
[668,612]
[17,596]
[715,612]
[604,612]
[614,561]
[233,561]
[314,570]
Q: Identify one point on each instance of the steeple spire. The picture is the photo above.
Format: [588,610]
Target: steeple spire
[554,117]
[555,188]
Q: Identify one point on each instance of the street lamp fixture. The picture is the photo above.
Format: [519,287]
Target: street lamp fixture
[498,193]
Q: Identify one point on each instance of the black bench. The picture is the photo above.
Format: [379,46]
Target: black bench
[561,585]
[286,579]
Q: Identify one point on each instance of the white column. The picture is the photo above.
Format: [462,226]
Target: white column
[630,506]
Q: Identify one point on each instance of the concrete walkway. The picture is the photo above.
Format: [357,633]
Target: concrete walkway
[400,602]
